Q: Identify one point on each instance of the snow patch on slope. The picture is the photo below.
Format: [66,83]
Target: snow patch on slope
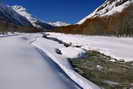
[58,24]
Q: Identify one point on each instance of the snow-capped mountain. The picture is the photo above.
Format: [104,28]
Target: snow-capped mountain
[22,11]
[113,17]
[58,23]
[33,20]
[109,7]
[8,14]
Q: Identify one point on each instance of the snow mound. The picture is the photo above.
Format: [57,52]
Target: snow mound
[72,52]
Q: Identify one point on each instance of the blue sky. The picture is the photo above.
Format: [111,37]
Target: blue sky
[70,11]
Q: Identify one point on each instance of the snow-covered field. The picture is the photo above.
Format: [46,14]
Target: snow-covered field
[25,61]
[119,48]
[22,66]
[49,46]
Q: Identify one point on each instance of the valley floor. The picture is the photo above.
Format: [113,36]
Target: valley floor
[22,66]
[30,61]
[120,48]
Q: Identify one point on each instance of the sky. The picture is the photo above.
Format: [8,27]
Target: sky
[70,11]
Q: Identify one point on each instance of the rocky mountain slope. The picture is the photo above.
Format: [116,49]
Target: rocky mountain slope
[108,8]
[113,17]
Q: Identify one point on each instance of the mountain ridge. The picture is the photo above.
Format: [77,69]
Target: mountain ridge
[108,8]
[36,22]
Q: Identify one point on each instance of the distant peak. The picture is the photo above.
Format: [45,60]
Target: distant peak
[19,7]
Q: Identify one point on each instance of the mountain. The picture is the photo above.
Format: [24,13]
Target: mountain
[108,8]
[58,23]
[19,19]
[33,20]
[8,14]
[113,17]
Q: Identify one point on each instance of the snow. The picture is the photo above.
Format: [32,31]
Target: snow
[25,62]
[117,9]
[107,9]
[71,52]
[111,82]
[22,11]
[49,46]
[119,48]
[58,23]
[22,66]
[99,67]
